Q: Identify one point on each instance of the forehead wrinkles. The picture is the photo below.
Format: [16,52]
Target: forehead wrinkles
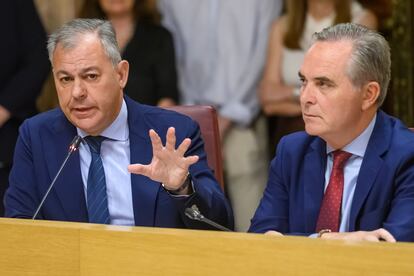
[76,59]
[327,59]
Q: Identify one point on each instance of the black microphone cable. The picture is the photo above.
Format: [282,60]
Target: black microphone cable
[74,145]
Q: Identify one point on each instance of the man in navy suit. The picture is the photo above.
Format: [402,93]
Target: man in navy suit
[89,77]
[351,174]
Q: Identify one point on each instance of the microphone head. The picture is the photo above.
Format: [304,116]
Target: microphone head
[74,145]
[193,213]
[190,213]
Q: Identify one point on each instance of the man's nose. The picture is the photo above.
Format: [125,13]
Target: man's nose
[79,90]
[307,94]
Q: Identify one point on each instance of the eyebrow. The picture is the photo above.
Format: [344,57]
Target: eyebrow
[324,79]
[83,71]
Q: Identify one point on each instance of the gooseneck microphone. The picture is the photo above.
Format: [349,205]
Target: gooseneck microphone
[74,145]
[195,214]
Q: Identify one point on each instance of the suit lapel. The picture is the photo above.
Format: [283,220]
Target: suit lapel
[69,186]
[144,190]
[371,165]
[314,180]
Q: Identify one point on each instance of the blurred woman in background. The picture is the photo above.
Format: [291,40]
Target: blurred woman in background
[147,46]
[289,39]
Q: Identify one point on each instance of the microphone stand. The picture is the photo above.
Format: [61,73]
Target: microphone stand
[72,148]
[195,214]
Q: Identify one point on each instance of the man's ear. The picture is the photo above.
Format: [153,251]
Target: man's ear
[371,92]
[123,71]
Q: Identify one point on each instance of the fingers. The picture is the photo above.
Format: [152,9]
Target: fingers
[183,147]
[371,238]
[171,139]
[191,160]
[171,143]
[155,140]
[273,233]
[383,234]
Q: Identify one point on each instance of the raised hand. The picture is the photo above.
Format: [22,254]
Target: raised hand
[168,165]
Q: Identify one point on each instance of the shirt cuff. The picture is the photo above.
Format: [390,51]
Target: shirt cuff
[238,113]
[183,196]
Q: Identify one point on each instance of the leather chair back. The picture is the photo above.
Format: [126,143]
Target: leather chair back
[206,117]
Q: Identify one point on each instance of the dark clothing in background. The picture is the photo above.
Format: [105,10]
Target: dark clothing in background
[152,71]
[24,67]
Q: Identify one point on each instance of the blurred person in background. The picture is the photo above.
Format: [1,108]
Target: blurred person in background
[24,68]
[147,46]
[289,39]
[220,49]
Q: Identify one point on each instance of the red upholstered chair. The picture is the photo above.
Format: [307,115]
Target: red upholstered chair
[206,117]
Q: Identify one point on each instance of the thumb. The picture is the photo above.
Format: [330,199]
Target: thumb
[138,169]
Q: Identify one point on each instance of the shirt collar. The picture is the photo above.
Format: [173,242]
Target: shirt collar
[118,130]
[359,145]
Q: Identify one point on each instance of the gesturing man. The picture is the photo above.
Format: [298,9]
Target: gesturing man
[96,185]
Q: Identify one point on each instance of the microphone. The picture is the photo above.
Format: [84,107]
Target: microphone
[195,214]
[74,145]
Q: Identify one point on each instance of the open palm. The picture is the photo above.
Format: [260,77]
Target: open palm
[168,165]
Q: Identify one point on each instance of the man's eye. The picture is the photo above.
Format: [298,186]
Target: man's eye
[323,84]
[92,76]
[302,82]
[65,79]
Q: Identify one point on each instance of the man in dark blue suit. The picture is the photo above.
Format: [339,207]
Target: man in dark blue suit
[97,184]
[351,175]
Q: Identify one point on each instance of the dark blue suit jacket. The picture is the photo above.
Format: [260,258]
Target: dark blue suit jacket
[384,194]
[43,145]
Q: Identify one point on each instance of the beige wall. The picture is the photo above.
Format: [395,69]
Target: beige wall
[53,14]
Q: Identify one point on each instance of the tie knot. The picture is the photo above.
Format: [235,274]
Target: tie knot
[94,143]
[340,157]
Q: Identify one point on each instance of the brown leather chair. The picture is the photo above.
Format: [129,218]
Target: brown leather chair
[206,117]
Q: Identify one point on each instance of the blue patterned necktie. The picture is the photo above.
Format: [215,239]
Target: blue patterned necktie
[96,190]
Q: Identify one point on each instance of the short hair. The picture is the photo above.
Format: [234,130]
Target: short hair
[67,36]
[370,57]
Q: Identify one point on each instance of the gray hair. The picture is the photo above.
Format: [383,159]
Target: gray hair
[68,35]
[370,57]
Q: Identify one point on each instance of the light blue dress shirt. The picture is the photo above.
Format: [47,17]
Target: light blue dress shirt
[221,51]
[351,170]
[115,154]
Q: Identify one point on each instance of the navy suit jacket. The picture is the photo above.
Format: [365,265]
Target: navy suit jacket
[43,144]
[384,194]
